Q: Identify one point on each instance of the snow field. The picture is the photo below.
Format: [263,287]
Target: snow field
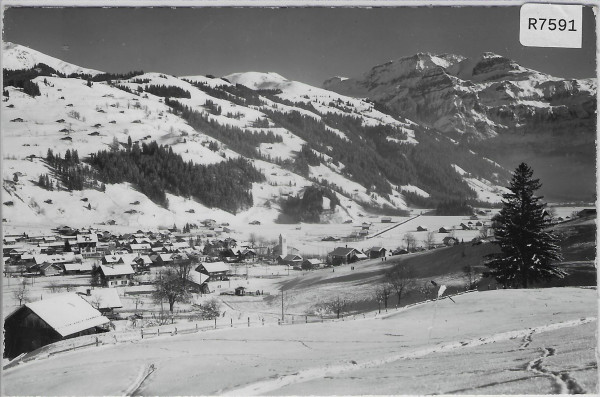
[331,358]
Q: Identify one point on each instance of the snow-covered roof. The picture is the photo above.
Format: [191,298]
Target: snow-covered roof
[213,267]
[105,298]
[67,313]
[69,267]
[197,277]
[87,238]
[117,270]
[143,246]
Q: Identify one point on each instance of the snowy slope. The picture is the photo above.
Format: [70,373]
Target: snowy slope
[15,57]
[72,115]
[506,341]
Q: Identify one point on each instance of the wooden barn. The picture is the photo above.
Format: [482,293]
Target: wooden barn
[376,252]
[214,270]
[40,323]
[344,255]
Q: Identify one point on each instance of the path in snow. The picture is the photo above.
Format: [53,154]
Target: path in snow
[270,385]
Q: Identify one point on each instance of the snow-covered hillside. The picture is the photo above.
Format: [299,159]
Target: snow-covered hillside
[15,57]
[346,137]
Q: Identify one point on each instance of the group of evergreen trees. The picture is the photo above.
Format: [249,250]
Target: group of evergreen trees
[167,91]
[242,141]
[307,207]
[72,174]
[155,170]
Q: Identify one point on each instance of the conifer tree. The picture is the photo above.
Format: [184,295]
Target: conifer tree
[527,247]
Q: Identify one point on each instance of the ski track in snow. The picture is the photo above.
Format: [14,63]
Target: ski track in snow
[564,383]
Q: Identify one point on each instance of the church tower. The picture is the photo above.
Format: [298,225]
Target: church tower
[283,245]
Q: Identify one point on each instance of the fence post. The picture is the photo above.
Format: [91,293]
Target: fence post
[175,330]
[263,321]
[142,333]
[96,341]
[231,319]
[196,326]
[158,332]
[306,319]
[248,321]
[278,321]
[215,323]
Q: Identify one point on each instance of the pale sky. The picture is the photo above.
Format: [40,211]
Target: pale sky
[305,44]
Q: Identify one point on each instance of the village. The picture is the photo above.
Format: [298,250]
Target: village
[101,281]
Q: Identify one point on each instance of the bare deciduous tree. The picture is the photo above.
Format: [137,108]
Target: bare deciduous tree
[170,287]
[400,279]
[21,293]
[382,294]
[410,241]
[470,276]
[430,240]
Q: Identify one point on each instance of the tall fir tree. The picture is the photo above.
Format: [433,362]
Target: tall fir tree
[527,247]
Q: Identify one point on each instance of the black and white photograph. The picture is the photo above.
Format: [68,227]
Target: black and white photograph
[333,199]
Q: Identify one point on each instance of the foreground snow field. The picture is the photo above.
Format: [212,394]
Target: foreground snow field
[504,341]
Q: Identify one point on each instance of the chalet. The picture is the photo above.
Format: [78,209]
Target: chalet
[344,255]
[115,275]
[163,259]
[104,300]
[399,251]
[421,229]
[40,323]
[196,281]
[363,233]
[87,243]
[376,252]
[465,227]
[17,120]
[53,248]
[311,264]
[209,223]
[330,238]
[9,240]
[478,224]
[254,223]
[386,219]
[449,241]
[78,268]
[141,263]
[290,260]
[140,248]
[247,255]
[443,230]
[68,257]
[214,270]
[46,269]
[365,225]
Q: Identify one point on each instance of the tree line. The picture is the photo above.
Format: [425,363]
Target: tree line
[156,170]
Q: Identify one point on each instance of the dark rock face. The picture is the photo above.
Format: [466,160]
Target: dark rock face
[477,98]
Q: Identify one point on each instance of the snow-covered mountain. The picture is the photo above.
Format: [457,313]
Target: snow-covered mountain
[296,135]
[18,57]
[477,98]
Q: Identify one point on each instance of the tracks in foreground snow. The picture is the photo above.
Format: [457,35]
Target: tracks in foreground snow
[563,383]
[269,385]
